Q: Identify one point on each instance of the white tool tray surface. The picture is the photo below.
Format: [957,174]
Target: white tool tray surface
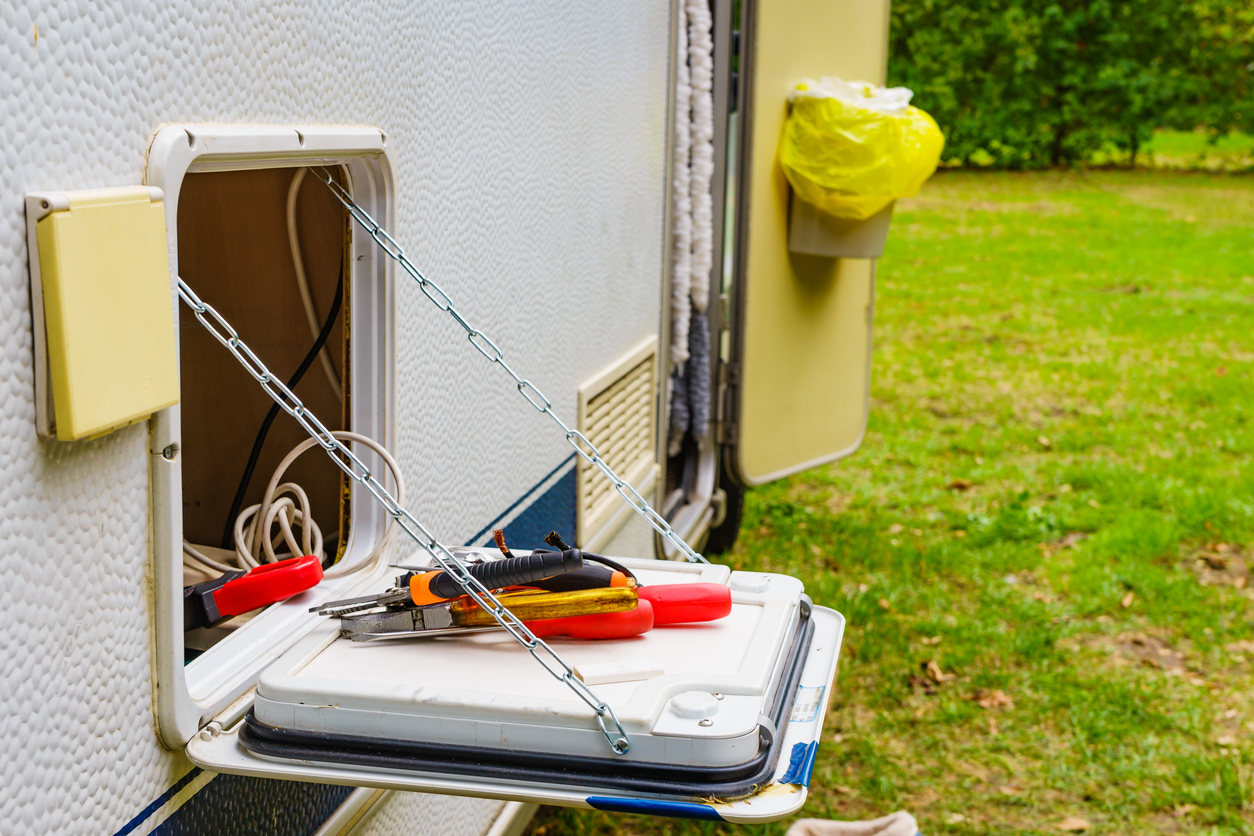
[484,690]
[400,714]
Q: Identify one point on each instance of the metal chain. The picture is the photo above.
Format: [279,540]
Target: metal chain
[484,344]
[356,470]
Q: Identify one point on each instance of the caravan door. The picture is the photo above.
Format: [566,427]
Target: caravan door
[797,377]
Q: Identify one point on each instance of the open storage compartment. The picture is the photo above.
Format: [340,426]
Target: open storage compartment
[257,264]
[235,227]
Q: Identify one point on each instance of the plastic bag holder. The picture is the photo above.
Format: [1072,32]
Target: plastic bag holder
[812,231]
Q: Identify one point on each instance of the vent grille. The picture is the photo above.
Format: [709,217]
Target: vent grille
[618,415]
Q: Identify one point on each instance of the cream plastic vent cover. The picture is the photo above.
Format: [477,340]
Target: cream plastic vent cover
[618,414]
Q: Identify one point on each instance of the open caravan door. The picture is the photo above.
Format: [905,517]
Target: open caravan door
[796,384]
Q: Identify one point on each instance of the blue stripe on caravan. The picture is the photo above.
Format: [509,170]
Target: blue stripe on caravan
[553,510]
[246,806]
[159,803]
[649,807]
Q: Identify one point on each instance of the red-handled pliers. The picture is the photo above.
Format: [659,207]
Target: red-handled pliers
[234,593]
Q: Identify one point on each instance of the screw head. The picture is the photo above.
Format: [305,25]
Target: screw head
[44,204]
[170,452]
[707,722]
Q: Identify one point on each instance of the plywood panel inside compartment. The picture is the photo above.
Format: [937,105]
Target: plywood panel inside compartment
[233,250]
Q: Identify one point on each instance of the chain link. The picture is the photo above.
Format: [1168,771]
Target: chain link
[356,470]
[489,349]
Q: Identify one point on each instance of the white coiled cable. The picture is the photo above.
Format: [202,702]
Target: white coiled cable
[286,505]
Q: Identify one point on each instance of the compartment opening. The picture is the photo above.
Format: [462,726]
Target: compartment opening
[247,242]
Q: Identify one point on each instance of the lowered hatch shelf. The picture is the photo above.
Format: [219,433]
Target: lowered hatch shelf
[723,724]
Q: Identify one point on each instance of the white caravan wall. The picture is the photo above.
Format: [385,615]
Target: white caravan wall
[530,149]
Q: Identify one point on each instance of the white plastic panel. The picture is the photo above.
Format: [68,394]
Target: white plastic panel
[484,690]
[222,752]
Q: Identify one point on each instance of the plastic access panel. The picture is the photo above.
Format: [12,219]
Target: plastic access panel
[104,330]
[724,717]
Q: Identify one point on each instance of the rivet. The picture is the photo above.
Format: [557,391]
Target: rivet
[707,722]
[43,203]
[170,452]
[718,696]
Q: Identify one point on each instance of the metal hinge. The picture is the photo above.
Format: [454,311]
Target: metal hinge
[728,381]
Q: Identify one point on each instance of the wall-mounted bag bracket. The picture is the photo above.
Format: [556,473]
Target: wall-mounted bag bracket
[101,313]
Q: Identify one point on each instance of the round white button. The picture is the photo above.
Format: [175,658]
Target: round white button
[694,705]
[749,582]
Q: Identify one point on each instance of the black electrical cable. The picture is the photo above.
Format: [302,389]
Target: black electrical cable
[228,533]
[613,564]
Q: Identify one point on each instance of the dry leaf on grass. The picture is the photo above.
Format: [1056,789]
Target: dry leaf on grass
[991,699]
[845,790]
[1215,561]
[1009,790]
[884,605]
[1183,810]
[1073,824]
[934,672]
[960,485]
[932,640]
[1068,542]
[1127,600]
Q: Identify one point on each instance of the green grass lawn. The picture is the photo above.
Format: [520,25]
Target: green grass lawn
[1185,150]
[1192,149]
[1042,546]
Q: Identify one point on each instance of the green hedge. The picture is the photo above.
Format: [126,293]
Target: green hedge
[1032,83]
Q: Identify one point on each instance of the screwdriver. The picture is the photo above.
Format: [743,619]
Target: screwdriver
[606,613]
[422,588]
[462,612]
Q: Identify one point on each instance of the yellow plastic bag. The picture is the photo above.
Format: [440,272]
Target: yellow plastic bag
[851,148]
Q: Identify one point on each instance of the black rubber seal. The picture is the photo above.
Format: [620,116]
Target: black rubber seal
[694,782]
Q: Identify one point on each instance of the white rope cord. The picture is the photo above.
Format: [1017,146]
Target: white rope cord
[681,264]
[701,64]
[198,560]
[286,505]
[306,298]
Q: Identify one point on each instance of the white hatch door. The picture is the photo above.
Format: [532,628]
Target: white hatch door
[741,699]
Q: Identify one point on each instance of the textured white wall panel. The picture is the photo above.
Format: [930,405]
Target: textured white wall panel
[429,815]
[530,144]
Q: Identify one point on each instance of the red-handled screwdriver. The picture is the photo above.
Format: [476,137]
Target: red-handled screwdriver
[660,604]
